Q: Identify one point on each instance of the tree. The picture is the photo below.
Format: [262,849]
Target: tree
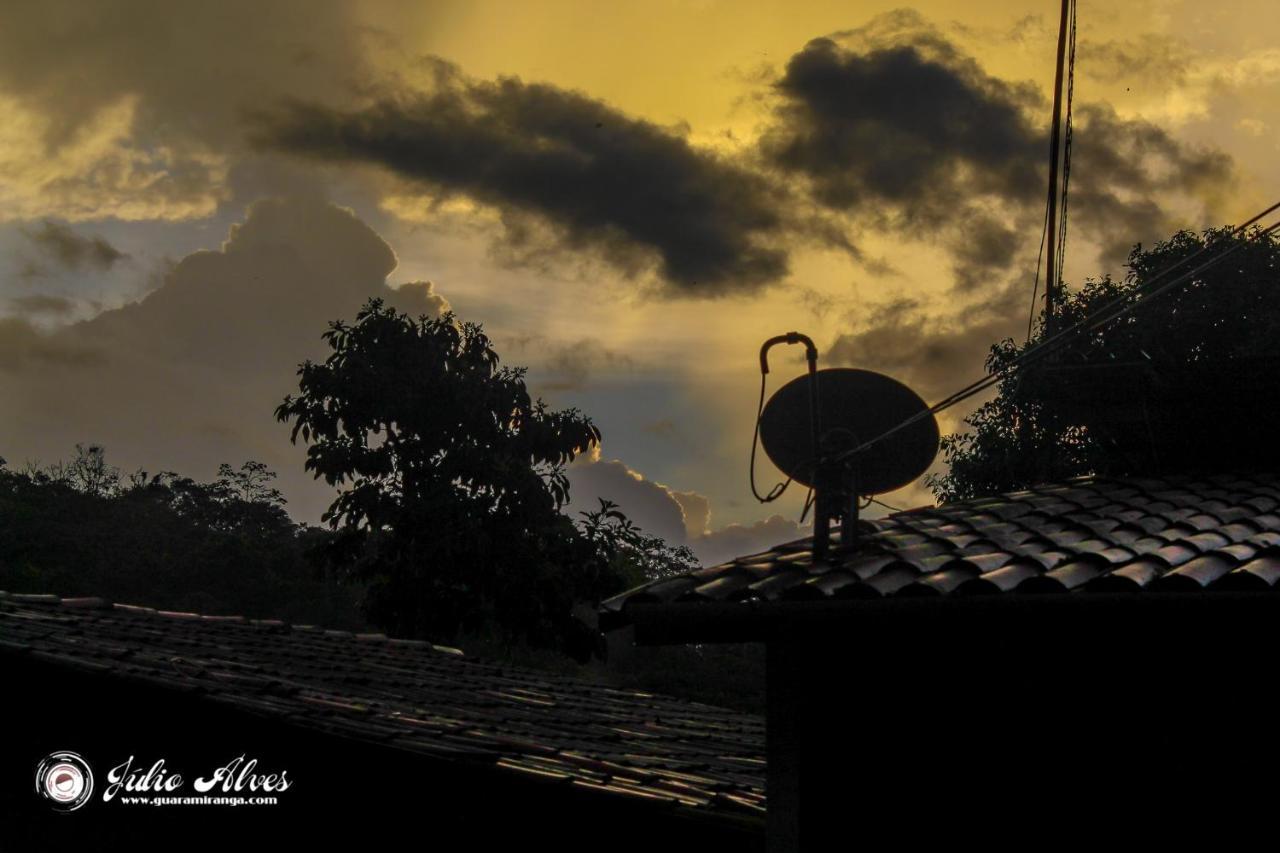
[1186,382]
[451,480]
[162,540]
[250,484]
[634,555]
[86,472]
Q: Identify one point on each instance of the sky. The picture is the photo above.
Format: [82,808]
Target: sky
[630,197]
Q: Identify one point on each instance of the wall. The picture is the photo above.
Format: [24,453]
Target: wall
[1013,728]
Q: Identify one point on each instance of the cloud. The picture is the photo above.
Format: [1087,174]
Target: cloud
[739,540]
[190,375]
[102,167]
[1148,57]
[679,517]
[895,127]
[933,354]
[637,194]
[1123,172]
[133,109]
[42,304]
[564,365]
[24,347]
[696,510]
[908,123]
[419,298]
[665,428]
[71,250]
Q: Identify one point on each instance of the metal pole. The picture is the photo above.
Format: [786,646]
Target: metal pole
[1053,283]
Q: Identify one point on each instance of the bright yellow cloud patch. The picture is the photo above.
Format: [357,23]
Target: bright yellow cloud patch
[100,170]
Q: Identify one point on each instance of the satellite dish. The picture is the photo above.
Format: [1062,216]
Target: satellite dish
[854,406]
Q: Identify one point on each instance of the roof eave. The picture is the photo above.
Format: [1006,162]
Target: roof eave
[760,621]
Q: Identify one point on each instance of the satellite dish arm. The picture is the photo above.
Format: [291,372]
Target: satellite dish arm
[811,355]
[810,351]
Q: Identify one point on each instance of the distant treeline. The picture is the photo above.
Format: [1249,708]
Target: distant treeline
[222,547]
[81,528]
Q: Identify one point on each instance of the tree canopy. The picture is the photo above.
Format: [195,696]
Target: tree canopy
[80,528]
[451,478]
[1185,382]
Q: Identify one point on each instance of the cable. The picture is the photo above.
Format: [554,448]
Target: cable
[778,489]
[815,422]
[808,505]
[1035,284]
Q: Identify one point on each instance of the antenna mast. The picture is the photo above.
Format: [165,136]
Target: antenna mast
[1053,281]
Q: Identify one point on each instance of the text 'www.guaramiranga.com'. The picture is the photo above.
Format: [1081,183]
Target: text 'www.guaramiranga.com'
[198,801]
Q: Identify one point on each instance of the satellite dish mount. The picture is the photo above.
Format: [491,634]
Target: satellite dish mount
[845,433]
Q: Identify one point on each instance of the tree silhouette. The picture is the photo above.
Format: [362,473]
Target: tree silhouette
[1185,383]
[451,480]
[635,555]
[76,527]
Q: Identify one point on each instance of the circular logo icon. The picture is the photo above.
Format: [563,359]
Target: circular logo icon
[65,780]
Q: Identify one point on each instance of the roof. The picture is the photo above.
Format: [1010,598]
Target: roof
[1079,538]
[415,696]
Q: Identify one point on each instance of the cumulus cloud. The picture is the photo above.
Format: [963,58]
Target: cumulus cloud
[42,304]
[679,517]
[893,125]
[73,251]
[189,376]
[24,347]
[633,192]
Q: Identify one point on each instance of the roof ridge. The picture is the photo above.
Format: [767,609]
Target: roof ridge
[88,602]
[1022,542]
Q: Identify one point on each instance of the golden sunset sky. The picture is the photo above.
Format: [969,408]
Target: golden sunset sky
[629,196]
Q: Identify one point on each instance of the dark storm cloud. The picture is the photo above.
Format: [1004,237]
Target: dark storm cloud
[901,126]
[604,180]
[1121,172]
[983,248]
[74,251]
[897,128]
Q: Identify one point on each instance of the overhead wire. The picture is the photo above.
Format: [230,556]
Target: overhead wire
[1035,282]
[1113,310]
[1118,307]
